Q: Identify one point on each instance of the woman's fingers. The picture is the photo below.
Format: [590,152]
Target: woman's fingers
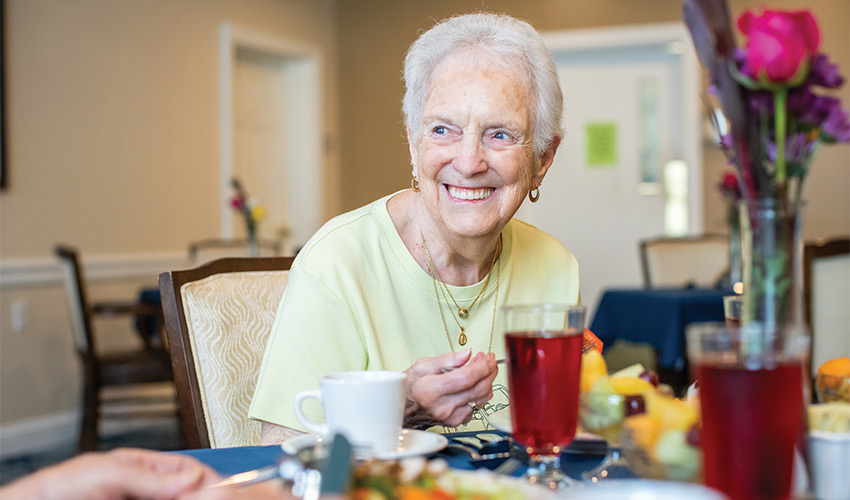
[446,397]
[439,364]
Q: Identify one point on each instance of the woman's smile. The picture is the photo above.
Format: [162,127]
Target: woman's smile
[468,194]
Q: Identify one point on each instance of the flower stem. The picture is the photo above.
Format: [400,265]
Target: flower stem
[780,101]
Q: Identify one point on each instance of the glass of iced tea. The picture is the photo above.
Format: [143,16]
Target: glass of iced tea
[751,399]
[543,345]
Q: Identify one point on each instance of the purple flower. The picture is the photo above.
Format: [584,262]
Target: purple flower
[761,101]
[818,110]
[797,148]
[836,126]
[800,99]
[824,73]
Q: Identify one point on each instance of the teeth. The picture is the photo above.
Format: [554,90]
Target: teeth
[469,194]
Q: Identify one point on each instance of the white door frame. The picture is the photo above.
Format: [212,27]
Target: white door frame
[308,115]
[676,35]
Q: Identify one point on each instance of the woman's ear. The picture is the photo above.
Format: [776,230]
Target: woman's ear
[546,160]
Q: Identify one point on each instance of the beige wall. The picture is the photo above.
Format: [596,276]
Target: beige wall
[375,34]
[113,116]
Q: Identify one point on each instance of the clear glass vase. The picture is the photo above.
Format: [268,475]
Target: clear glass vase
[253,245]
[771,253]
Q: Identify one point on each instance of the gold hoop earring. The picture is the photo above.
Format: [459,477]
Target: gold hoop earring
[534,195]
[414,185]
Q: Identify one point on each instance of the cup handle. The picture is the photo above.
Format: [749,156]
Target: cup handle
[309,424]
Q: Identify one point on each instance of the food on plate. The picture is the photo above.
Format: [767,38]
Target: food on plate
[833,380]
[420,479]
[830,417]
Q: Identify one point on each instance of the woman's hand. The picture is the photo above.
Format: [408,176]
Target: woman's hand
[441,390]
[122,473]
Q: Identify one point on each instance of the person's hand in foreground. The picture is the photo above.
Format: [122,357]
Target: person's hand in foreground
[441,390]
[119,474]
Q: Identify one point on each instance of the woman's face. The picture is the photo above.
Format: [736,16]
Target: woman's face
[474,157]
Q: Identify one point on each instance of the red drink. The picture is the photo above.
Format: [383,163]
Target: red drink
[750,422]
[543,378]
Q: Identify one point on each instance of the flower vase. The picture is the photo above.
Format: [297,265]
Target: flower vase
[253,246]
[771,254]
[735,271]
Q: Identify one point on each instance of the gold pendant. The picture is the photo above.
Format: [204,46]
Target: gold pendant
[463,313]
[461,339]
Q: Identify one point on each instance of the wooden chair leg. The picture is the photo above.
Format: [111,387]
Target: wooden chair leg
[89,439]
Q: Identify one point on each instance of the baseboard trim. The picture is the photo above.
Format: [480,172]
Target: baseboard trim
[47,271]
[38,434]
[62,430]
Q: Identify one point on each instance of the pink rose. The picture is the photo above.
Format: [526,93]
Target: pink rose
[780,45]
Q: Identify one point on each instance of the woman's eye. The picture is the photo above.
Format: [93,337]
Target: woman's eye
[501,135]
[440,130]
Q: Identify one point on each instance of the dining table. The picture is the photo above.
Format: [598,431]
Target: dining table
[580,456]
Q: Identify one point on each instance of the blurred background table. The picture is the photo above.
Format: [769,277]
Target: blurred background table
[657,317]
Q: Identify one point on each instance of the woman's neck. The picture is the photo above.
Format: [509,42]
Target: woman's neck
[459,260]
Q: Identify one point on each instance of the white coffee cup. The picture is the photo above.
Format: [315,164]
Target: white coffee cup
[365,406]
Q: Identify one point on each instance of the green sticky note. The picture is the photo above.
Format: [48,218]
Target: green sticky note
[600,144]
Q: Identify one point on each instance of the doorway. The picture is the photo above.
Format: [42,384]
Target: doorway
[630,164]
[270,133]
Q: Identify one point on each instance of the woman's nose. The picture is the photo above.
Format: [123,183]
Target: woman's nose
[470,157]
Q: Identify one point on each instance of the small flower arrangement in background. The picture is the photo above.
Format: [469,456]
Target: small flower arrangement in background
[251,212]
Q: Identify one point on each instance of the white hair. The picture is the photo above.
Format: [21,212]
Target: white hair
[507,40]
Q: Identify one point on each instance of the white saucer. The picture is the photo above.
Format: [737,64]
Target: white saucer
[411,443]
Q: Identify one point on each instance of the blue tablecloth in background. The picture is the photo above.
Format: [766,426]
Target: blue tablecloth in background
[657,317]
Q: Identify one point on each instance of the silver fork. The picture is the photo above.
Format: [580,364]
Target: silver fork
[508,467]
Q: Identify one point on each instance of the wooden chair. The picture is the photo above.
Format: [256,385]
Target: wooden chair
[218,318]
[684,261]
[211,249]
[826,298]
[148,364]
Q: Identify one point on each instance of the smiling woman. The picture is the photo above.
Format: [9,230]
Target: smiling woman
[407,280]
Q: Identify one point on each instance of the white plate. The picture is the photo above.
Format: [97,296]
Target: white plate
[501,420]
[492,485]
[411,443]
[641,489]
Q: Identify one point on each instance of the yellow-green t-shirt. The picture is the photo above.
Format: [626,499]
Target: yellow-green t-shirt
[357,300]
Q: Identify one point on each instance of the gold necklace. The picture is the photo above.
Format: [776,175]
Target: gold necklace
[463,312]
[432,271]
[462,337]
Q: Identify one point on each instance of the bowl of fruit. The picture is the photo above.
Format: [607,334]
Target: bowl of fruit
[651,432]
[663,442]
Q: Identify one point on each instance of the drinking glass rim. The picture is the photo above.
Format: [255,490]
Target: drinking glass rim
[795,340]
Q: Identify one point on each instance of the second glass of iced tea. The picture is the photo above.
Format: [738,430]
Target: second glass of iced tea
[751,398]
[543,345]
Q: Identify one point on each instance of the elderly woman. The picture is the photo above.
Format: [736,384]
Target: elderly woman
[414,281]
